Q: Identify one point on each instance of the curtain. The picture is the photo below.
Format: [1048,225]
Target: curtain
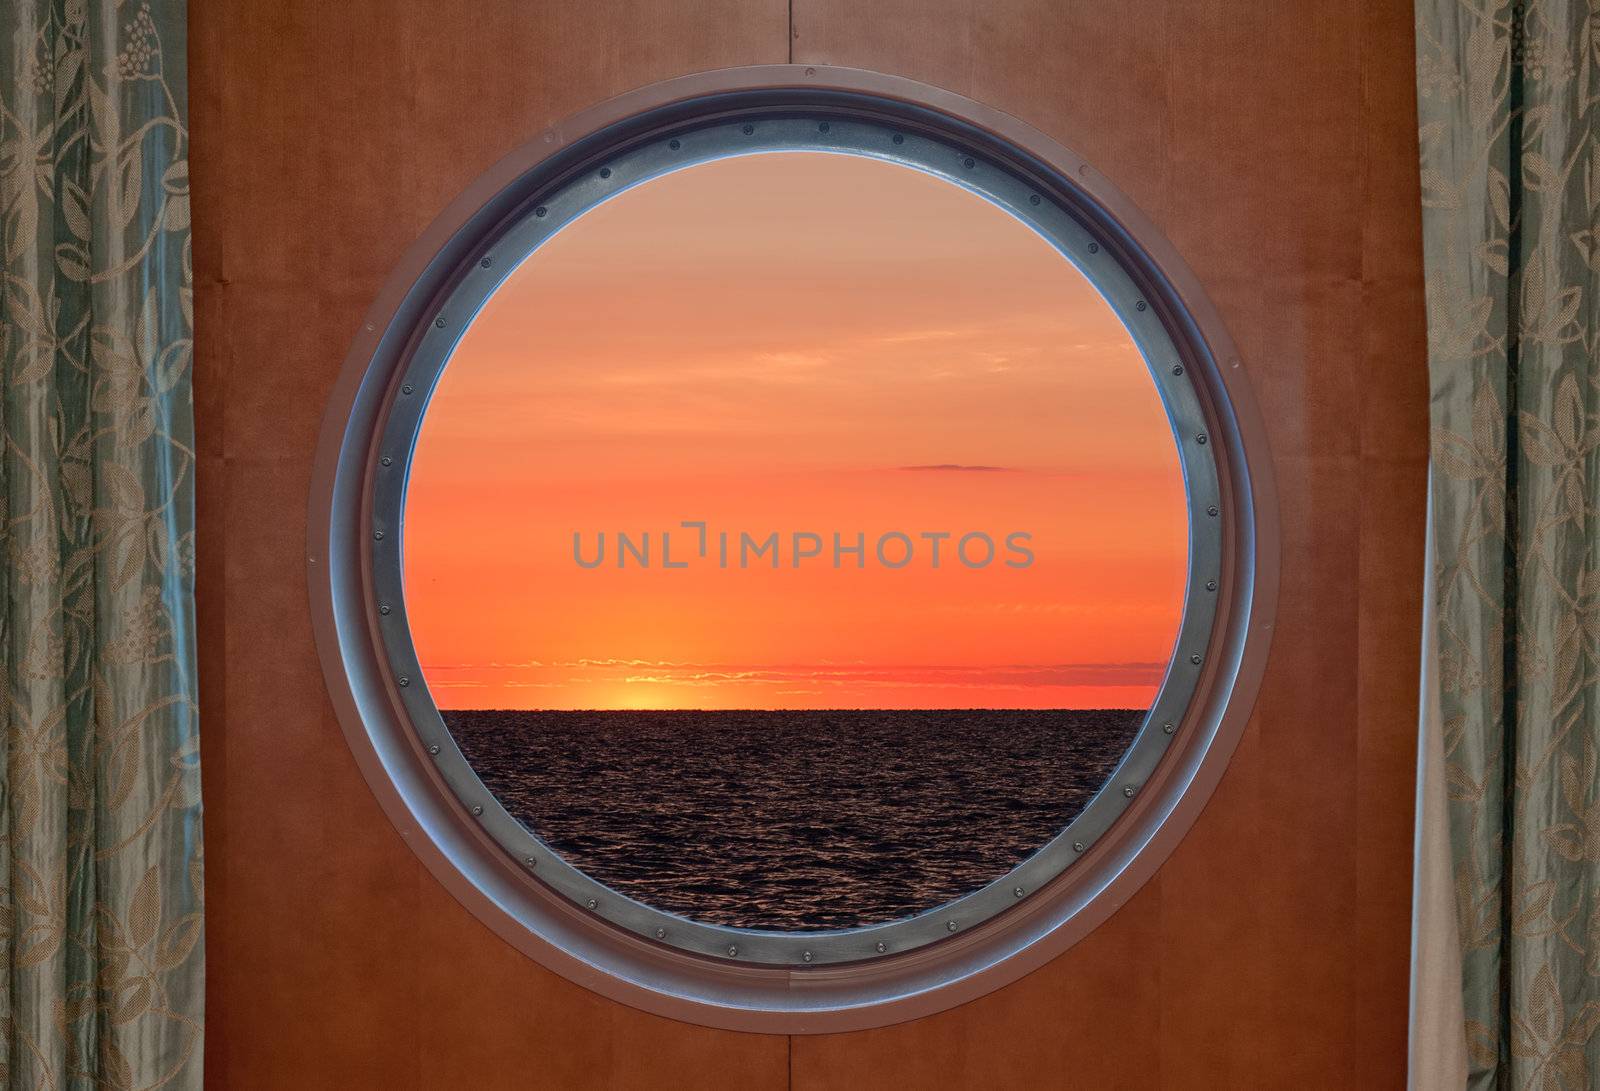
[1438,1047]
[1510,167]
[100,877]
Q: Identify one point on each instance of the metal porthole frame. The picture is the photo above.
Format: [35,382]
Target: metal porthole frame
[799,981]
[549,209]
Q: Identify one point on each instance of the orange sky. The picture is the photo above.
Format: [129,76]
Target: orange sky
[786,343]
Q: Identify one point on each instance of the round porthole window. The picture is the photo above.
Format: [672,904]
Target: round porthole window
[792,549]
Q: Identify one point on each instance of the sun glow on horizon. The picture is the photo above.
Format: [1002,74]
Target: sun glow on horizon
[810,347]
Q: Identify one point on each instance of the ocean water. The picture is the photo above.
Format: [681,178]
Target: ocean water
[795,819]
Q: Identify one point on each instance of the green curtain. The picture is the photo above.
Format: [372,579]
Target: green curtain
[100,878]
[1507,96]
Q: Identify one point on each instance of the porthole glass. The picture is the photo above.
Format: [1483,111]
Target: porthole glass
[795,540]
[784,553]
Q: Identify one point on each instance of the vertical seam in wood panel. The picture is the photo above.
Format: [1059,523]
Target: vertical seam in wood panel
[1357,982]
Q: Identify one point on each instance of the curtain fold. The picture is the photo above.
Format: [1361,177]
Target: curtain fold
[1511,186]
[1438,1047]
[100,878]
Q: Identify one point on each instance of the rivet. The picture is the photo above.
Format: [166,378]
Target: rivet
[811,71]
[1018,891]
[384,608]
[540,211]
[805,956]
[950,926]
[1094,248]
[1033,200]
[1195,659]
[1128,791]
[406,389]
[593,904]
[661,933]
[1077,846]
[821,129]
[967,162]
[1141,305]
[1211,585]
[1168,728]
[439,322]
[881,946]
[1177,369]
[477,810]
[605,172]
[377,535]
[674,145]
[1211,509]
[486,262]
[732,950]
[531,861]
[404,681]
[433,748]
[386,460]
[1201,439]
[748,129]
[898,139]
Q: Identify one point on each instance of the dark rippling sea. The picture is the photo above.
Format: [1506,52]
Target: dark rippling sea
[795,819]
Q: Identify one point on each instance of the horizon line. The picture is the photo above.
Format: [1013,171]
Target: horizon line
[975,708]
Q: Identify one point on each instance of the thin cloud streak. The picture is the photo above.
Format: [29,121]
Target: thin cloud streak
[1009,676]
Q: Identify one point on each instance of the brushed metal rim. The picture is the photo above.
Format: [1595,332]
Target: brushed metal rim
[752,979]
[545,212]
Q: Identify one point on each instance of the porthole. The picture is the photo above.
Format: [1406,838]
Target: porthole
[792,549]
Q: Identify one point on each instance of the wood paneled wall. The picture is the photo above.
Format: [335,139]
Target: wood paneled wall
[1274,144]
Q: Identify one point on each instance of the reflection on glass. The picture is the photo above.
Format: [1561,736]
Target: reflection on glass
[795,541]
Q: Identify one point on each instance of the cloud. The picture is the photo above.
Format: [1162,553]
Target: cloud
[953,467]
[913,337]
[809,676]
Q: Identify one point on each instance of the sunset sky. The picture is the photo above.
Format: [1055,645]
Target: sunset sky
[795,342]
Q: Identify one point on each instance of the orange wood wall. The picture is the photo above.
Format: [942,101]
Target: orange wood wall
[1274,144]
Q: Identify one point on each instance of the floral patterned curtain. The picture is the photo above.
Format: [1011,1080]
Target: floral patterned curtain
[100,873]
[1508,94]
